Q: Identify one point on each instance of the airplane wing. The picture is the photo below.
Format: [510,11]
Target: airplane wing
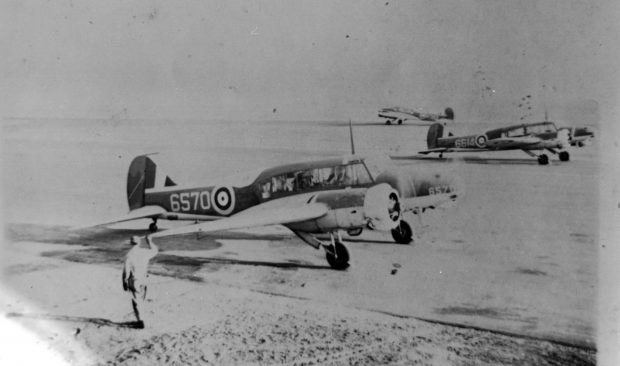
[452,149]
[504,143]
[157,212]
[253,217]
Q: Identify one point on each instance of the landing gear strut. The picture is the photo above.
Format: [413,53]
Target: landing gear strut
[403,233]
[542,158]
[337,254]
[153,226]
[563,155]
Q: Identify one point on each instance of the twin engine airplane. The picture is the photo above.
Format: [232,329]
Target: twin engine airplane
[399,114]
[526,137]
[317,197]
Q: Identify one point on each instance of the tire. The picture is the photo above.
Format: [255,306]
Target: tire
[340,261]
[564,156]
[355,232]
[153,227]
[543,159]
[388,122]
[403,233]
[400,121]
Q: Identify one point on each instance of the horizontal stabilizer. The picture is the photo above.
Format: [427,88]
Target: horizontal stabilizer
[156,212]
[146,212]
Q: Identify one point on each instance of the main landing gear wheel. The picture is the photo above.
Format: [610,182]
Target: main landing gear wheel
[543,159]
[355,232]
[337,256]
[403,233]
[153,226]
[564,156]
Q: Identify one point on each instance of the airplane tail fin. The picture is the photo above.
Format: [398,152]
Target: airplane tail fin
[449,113]
[143,175]
[434,132]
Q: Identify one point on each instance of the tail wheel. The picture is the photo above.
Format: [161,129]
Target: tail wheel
[564,156]
[543,159]
[403,233]
[337,256]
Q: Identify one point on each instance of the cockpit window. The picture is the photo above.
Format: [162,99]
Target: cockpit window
[360,174]
[516,132]
[378,164]
[338,176]
[542,128]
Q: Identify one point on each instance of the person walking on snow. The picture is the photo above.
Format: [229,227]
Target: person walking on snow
[135,273]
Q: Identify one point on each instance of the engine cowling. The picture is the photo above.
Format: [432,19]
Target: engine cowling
[378,208]
[382,207]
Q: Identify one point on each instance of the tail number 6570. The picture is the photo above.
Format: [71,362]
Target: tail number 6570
[190,201]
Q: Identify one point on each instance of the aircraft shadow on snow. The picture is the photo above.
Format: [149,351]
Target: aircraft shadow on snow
[106,245]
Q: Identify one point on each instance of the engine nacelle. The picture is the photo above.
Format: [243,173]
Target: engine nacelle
[382,207]
[377,208]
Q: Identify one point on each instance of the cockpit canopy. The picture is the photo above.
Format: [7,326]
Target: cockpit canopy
[336,173]
[523,130]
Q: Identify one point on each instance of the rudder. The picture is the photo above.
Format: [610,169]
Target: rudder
[141,176]
[449,113]
[434,133]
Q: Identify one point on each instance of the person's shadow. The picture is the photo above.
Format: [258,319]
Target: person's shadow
[77,319]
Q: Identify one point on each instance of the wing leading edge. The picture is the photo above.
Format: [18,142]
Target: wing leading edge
[253,217]
[157,212]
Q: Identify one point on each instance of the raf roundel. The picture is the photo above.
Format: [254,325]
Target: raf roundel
[223,200]
[481,141]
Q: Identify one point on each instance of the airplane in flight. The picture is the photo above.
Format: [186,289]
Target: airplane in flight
[317,197]
[526,137]
[399,115]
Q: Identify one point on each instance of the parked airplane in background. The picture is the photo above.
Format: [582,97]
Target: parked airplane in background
[526,137]
[398,115]
[579,136]
[325,196]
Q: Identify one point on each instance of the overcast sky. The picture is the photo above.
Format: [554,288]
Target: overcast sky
[307,60]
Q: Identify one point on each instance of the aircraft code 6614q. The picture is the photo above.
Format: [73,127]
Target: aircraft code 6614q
[188,201]
[465,142]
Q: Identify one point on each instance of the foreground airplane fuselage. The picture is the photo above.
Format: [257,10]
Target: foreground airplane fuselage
[527,137]
[309,198]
